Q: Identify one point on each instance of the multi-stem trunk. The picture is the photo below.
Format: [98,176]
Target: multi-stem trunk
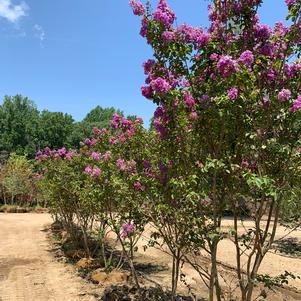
[176,259]
[214,285]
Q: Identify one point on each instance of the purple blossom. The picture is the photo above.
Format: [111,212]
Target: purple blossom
[96,131]
[247,58]
[284,95]
[290,3]
[144,27]
[266,101]
[159,112]
[96,156]
[194,116]
[226,65]
[139,120]
[262,31]
[147,92]
[163,168]
[201,38]
[213,56]
[93,142]
[112,141]
[121,164]
[186,33]
[296,105]
[130,132]
[138,8]
[125,122]
[104,131]
[148,66]
[160,85]
[137,186]
[121,138]
[62,151]
[267,50]
[87,142]
[127,229]
[70,155]
[39,153]
[131,166]
[205,98]
[159,126]
[245,164]
[88,170]
[96,172]
[271,75]
[233,93]
[164,14]
[47,149]
[146,164]
[189,100]
[107,156]
[168,36]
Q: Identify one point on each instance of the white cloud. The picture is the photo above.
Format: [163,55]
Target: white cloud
[12,12]
[39,32]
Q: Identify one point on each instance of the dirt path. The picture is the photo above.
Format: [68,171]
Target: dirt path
[28,272]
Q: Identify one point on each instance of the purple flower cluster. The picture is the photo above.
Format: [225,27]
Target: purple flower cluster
[95,171]
[96,156]
[262,31]
[265,102]
[138,8]
[147,164]
[147,92]
[226,65]
[189,100]
[90,142]
[160,85]
[127,229]
[47,153]
[161,119]
[164,15]
[247,58]
[188,34]
[96,131]
[137,186]
[126,125]
[148,66]
[107,156]
[233,93]
[121,164]
[290,3]
[296,105]
[168,36]
[249,165]
[194,116]
[284,95]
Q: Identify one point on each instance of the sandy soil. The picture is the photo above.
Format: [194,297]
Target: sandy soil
[28,271]
[274,264]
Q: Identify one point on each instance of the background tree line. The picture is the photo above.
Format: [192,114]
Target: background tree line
[24,129]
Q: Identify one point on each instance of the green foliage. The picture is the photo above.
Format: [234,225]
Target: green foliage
[19,119]
[24,130]
[18,180]
[55,129]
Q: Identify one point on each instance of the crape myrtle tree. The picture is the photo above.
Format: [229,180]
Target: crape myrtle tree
[101,182]
[228,114]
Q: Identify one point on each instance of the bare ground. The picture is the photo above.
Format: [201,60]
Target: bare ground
[28,271]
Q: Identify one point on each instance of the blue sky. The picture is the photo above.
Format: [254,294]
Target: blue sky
[71,55]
